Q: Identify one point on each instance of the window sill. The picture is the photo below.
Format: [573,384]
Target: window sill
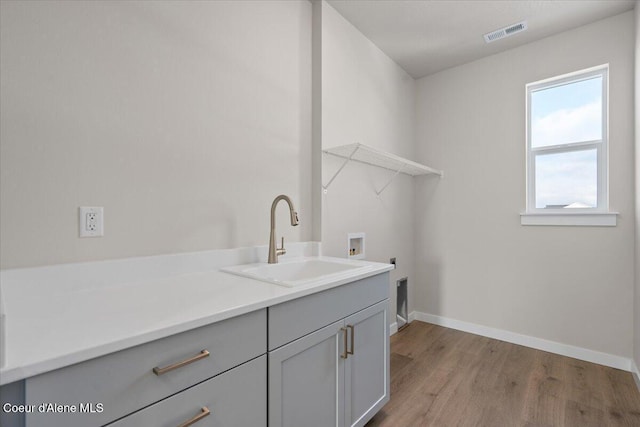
[585,219]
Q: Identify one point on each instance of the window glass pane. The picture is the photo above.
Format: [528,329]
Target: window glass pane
[567,180]
[568,113]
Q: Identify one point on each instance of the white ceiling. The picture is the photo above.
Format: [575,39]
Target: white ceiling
[426,36]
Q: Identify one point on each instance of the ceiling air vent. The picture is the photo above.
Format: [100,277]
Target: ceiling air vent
[505,32]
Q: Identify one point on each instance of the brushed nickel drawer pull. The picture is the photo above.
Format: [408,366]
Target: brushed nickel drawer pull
[205,412]
[353,334]
[344,335]
[159,371]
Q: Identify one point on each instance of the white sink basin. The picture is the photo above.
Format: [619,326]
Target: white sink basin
[301,271]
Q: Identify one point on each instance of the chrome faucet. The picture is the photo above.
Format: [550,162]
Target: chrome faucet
[273,250]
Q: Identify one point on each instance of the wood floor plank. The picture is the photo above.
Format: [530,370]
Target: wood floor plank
[543,402]
[444,377]
[577,414]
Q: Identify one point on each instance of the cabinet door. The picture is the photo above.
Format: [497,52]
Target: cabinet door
[306,380]
[367,369]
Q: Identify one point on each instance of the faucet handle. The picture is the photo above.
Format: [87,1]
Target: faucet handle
[281,250]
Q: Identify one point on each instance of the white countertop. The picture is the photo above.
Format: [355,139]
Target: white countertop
[61,315]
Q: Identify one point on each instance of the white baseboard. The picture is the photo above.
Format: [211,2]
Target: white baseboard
[393,328]
[636,373]
[593,356]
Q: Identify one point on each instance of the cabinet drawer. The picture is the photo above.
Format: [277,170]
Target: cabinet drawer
[236,398]
[124,382]
[294,319]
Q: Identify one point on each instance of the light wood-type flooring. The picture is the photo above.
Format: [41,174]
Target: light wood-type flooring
[444,377]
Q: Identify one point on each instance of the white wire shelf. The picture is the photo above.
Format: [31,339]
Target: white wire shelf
[364,154]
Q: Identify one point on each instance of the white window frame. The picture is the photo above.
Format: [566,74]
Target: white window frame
[599,215]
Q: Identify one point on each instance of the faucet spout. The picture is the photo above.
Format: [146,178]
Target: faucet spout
[273,250]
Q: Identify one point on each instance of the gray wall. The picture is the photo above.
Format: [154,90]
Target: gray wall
[475,262]
[366,98]
[183,122]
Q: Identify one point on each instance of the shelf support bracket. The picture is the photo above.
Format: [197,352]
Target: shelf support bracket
[347,160]
[390,180]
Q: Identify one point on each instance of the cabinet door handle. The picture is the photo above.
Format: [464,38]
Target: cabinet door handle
[204,412]
[353,334]
[345,354]
[160,371]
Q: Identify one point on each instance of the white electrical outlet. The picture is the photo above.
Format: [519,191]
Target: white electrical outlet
[91,221]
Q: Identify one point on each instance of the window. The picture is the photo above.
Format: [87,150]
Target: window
[567,150]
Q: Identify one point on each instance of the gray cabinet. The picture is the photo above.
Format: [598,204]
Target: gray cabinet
[327,365]
[293,319]
[367,368]
[337,375]
[12,393]
[236,398]
[306,380]
[125,381]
